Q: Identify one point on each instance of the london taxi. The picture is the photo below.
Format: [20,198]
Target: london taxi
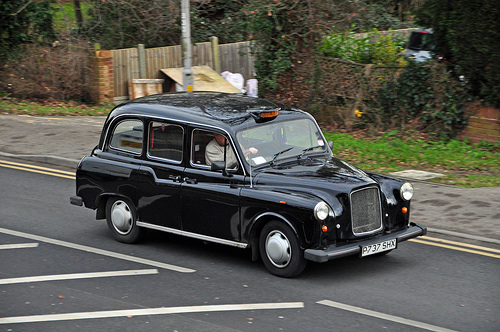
[269,183]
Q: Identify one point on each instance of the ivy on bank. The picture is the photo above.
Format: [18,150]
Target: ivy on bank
[425,93]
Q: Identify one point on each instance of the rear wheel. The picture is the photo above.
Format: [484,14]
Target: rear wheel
[280,250]
[121,218]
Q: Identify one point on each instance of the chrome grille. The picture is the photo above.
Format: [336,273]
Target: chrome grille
[366,211]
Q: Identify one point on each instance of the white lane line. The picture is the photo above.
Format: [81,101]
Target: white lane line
[18,246]
[97,251]
[71,276]
[384,316]
[151,311]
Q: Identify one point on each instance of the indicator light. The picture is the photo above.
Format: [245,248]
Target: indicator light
[270,114]
[404,209]
[324,229]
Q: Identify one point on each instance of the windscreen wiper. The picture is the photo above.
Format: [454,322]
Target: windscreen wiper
[308,149]
[277,154]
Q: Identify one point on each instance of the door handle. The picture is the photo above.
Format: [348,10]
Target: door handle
[175,178]
[190,181]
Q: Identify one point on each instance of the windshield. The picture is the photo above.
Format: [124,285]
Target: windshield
[272,141]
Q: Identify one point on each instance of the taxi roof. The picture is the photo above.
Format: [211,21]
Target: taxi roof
[215,108]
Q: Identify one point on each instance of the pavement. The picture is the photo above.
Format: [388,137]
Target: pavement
[63,141]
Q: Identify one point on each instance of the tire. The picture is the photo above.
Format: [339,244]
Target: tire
[280,251]
[121,218]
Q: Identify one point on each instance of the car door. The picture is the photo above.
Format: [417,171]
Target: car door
[210,199]
[162,174]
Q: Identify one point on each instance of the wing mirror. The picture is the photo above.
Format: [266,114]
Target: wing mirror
[218,166]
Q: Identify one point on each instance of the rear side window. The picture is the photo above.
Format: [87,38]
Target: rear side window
[127,136]
[166,141]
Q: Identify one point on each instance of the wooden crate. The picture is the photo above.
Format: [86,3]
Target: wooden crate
[144,87]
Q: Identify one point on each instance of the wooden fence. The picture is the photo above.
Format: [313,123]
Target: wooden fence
[235,57]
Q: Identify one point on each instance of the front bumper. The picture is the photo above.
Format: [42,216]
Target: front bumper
[76,200]
[321,256]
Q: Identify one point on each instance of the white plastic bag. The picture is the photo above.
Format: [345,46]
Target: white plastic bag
[236,80]
[252,88]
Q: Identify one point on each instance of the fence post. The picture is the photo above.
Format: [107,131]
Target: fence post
[141,52]
[215,53]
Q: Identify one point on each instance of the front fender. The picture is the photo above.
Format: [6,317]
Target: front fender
[295,209]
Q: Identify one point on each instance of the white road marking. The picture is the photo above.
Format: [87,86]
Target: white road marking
[18,246]
[380,315]
[71,276]
[97,251]
[151,311]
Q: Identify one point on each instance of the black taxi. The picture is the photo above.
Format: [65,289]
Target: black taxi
[239,171]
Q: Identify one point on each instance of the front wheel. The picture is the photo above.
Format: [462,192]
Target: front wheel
[280,250]
[121,218]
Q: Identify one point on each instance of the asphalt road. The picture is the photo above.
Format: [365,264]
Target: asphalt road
[60,270]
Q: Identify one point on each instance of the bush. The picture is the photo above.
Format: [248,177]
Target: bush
[466,32]
[48,72]
[372,48]
[424,95]
[22,23]
[156,23]
[122,24]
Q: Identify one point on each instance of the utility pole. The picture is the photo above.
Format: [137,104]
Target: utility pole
[187,72]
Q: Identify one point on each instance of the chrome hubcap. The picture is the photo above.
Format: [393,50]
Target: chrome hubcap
[121,217]
[278,249]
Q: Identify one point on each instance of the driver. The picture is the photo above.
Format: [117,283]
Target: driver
[214,151]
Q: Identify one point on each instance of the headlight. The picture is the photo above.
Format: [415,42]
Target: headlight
[406,191]
[321,211]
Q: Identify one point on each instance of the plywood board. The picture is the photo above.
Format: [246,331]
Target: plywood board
[205,79]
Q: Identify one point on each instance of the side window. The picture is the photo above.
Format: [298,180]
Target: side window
[201,138]
[127,136]
[209,146]
[166,141]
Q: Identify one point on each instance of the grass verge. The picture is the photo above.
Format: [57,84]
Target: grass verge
[463,164]
[13,106]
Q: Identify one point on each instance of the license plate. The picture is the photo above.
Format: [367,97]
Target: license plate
[378,247]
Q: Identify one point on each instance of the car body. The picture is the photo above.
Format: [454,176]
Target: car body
[287,198]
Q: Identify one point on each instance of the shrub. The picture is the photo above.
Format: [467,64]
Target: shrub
[424,95]
[22,23]
[466,32]
[372,48]
[48,72]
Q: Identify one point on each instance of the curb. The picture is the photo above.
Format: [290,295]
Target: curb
[47,159]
